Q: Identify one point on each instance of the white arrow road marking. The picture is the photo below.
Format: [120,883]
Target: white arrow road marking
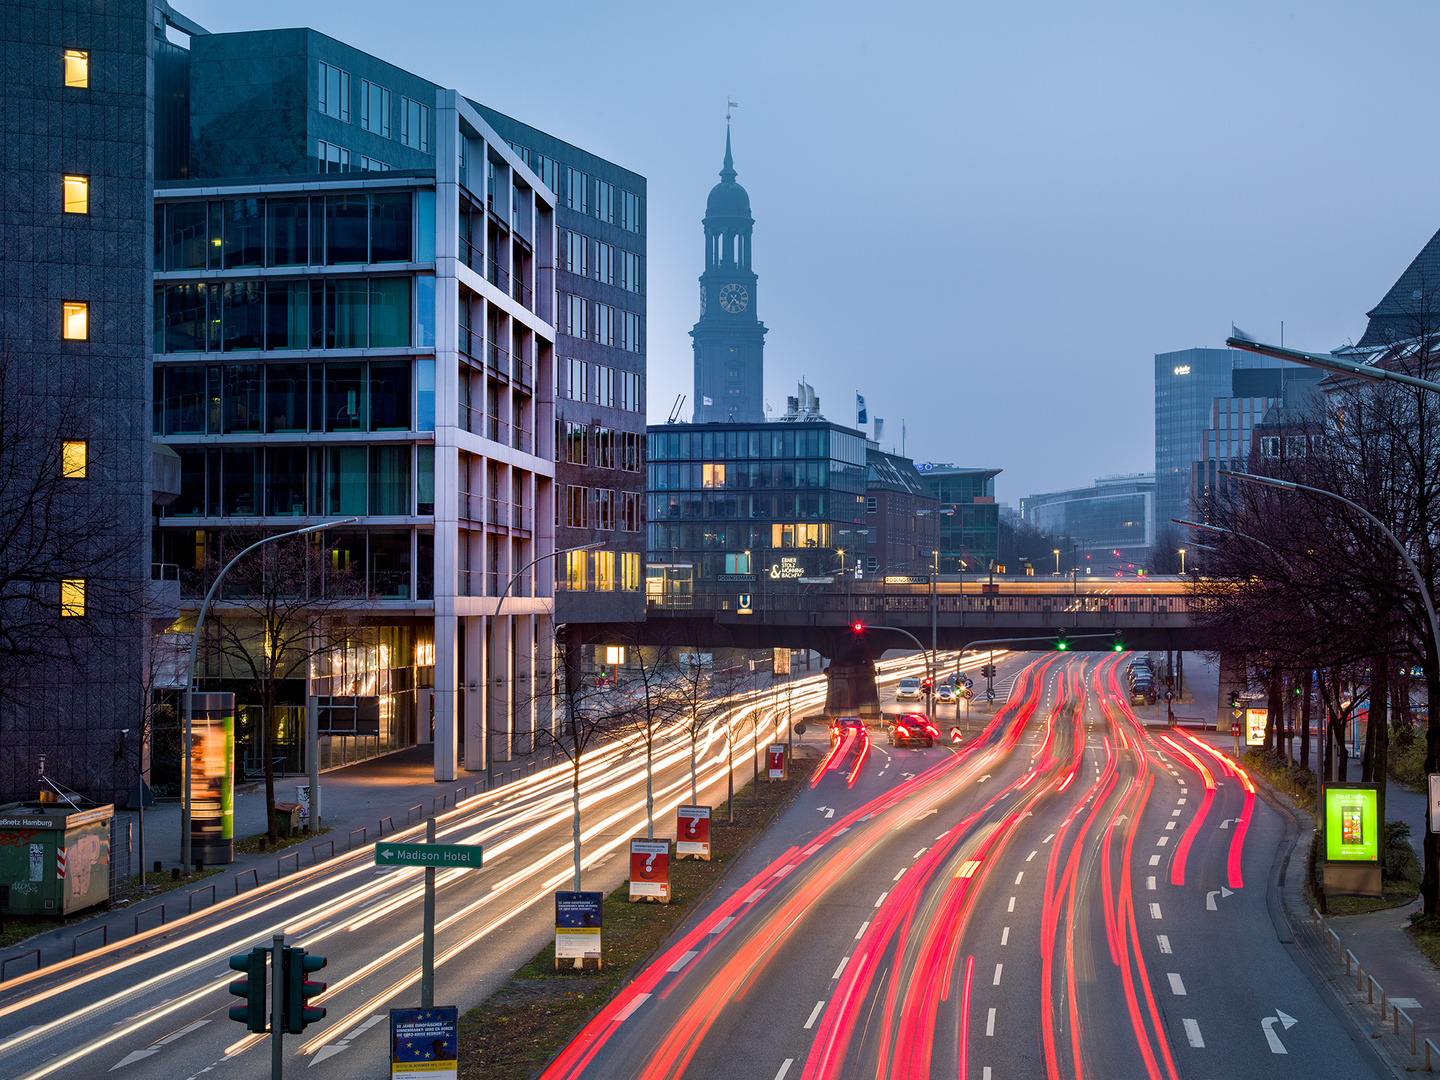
[1288,1021]
[1210,900]
[154,1048]
[334,1048]
[829,810]
[1226,823]
[983,778]
[927,813]
[1276,1046]
[1192,1033]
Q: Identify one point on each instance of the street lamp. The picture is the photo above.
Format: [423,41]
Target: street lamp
[489,643]
[1333,364]
[1182,561]
[190,670]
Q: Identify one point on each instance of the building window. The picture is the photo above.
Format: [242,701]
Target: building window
[1295,446]
[374,108]
[577,565]
[712,476]
[77,68]
[872,564]
[334,94]
[604,508]
[72,598]
[77,321]
[578,504]
[577,187]
[77,195]
[872,505]
[630,207]
[370,164]
[1270,446]
[630,272]
[72,460]
[331,158]
[604,571]
[415,125]
[630,571]
[604,201]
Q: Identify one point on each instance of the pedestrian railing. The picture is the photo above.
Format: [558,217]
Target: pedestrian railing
[1370,986]
[6,963]
[380,828]
[364,836]
[315,851]
[255,877]
[146,911]
[103,931]
[197,892]
[280,863]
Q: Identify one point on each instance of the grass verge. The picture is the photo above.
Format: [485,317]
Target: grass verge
[250,845]
[521,1026]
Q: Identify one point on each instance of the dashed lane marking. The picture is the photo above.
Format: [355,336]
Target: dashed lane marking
[1177,985]
[1192,1033]
[814,1015]
[1164,940]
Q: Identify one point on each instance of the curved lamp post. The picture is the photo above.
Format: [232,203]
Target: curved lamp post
[190,669]
[929,665]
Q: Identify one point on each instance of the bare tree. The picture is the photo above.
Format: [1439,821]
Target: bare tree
[281,607]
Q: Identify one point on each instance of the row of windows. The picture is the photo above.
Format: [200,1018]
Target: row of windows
[604,262]
[779,441]
[599,508]
[333,98]
[737,476]
[298,481]
[312,313]
[604,201]
[333,230]
[692,504]
[1293,445]
[593,321]
[229,399]
[333,158]
[597,384]
[584,571]
[665,537]
[604,447]
[547,169]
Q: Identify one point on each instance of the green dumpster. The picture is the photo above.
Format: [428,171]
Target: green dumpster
[53,860]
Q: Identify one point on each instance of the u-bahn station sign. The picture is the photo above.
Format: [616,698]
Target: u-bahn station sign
[907,579]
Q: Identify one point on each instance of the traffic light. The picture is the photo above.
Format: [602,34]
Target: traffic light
[297,989]
[857,627]
[252,989]
[1061,645]
[927,684]
[1119,645]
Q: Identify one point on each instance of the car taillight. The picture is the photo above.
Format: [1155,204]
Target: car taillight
[931,732]
[902,732]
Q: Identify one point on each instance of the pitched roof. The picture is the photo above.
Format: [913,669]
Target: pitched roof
[1412,302]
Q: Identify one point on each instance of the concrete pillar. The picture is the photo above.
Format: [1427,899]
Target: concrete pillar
[851,688]
[542,683]
[446,764]
[474,693]
[501,726]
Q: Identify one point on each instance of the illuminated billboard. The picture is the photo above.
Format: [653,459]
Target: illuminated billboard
[1255,726]
[1352,823]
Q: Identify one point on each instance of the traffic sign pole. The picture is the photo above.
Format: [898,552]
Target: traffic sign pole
[427,945]
[277,1007]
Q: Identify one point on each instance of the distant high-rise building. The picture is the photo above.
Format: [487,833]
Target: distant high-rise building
[729,338]
[1108,526]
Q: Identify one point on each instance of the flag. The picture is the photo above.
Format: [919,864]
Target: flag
[708,401]
[879,429]
[861,417]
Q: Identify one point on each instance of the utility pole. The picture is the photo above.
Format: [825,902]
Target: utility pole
[427,942]
[277,1007]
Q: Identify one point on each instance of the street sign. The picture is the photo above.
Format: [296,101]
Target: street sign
[650,870]
[443,856]
[692,832]
[969,681]
[907,579]
[1169,696]
[989,695]
[744,605]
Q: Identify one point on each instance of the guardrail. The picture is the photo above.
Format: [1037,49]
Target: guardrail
[315,851]
[196,892]
[350,844]
[252,871]
[146,911]
[1335,948]
[279,863]
[5,963]
[380,828]
[416,808]
[103,931]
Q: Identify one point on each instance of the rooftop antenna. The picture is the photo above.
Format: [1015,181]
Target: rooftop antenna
[679,401]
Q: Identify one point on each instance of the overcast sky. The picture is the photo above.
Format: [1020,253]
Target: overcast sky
[985,218]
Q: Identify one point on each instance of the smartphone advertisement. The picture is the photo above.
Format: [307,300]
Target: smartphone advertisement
[1352,823]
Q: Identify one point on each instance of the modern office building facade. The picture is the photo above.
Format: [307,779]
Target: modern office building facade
[903,517]
[729,338]
[1107,526]
[75,453]
[735,506]
[599,373]
[330,286]
[970,530]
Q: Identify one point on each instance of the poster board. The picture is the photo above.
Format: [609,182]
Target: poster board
[1255,721]
[650,870]
[425,1043]
[692,832]
[578,918]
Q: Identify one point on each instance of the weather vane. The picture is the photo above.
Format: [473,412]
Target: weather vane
[728,106]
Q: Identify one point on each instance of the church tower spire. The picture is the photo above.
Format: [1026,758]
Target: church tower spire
[729,339]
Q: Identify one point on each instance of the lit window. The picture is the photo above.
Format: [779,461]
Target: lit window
[77,195]
[576,566]
[72,460]
[604,571]
[72,598]
[630,570]
[77,321]
[77,68]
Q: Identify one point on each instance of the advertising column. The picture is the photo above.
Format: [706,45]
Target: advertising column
[212,779]
[1352,839]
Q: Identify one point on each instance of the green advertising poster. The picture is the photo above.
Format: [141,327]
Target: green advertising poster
[1352,823]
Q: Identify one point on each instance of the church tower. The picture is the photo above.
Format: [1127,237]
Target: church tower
[729,338]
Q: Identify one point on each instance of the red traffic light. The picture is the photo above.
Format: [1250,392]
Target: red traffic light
[857,627]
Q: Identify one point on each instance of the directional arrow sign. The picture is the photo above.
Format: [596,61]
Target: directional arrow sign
[1288,1021]
[1268,1025]
[828,811]
[443,856]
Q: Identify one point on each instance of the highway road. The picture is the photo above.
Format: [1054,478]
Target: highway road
[154,1005]
[1069,894]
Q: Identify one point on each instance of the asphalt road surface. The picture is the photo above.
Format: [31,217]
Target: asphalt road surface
[1067,894]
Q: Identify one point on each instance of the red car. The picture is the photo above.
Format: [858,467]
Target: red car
[912,729]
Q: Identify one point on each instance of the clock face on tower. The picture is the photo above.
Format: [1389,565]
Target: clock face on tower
[734,298]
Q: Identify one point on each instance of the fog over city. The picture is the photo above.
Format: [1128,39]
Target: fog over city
[995,216]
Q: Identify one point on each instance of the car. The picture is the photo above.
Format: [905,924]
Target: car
[840,724]
[908,690]
[947,694]
[911,729]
